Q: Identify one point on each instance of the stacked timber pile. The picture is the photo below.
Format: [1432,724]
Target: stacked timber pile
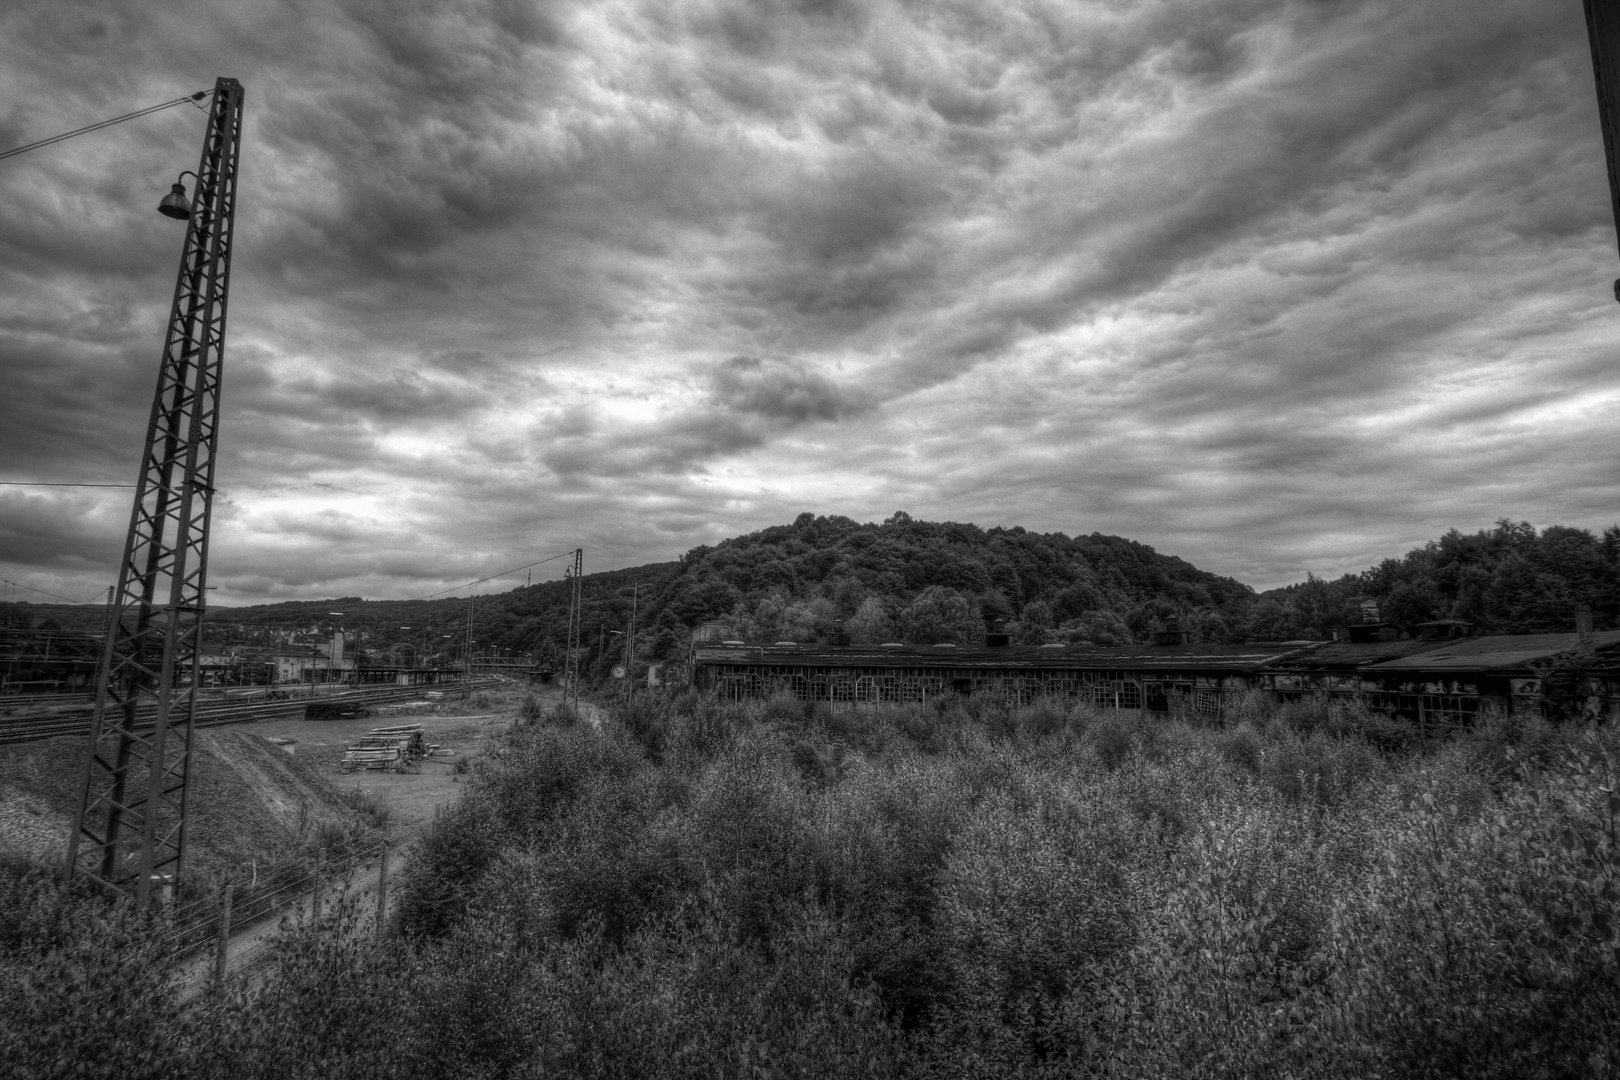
[397,749]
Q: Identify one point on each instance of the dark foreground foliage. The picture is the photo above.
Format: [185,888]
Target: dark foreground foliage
[699,889]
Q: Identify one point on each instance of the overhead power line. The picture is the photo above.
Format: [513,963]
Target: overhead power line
[42,592]
[198,96]
[503,573]
[44,483]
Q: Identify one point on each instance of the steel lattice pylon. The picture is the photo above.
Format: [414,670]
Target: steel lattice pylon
[129,829]
[571,666]
[1603,31]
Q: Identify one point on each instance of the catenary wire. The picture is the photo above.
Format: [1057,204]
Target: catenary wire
[42,592]
[44,483]
[502,574]
[14,151]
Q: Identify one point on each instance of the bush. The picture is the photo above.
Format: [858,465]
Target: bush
[1112,739]
[700,887]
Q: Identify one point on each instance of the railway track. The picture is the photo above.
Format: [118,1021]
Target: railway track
[15,729]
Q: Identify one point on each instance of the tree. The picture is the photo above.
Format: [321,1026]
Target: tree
[939,614]
[1098,627]
[1033,623]
[669,637]
[870,625]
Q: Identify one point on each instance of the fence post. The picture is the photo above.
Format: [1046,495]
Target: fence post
[222,954]
[382,892]
[320,880]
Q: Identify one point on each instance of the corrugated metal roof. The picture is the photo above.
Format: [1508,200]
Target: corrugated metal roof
[1348,655]
[1501,652]
[1073,657]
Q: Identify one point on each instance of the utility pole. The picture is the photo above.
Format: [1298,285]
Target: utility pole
[630,646]
[129,828]
[332,654]
[571,664]
[466,671]
[1603,31]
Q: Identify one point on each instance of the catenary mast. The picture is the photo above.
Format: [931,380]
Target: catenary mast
[129,831]
[1603,30]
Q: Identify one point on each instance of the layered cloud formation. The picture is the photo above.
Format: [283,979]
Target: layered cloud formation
[1274,286]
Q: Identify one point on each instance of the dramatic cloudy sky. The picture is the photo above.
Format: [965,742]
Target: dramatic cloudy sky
[1274,286]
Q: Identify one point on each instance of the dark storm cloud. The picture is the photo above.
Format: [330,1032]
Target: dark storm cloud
[1274,285]
[63,531]
[780,390]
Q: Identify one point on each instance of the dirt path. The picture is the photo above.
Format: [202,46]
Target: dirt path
[411,799]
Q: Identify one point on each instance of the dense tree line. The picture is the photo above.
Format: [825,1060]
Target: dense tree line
[1509,579]
[925,582]
[917,581]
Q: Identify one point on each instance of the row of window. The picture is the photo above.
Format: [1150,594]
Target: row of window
[1429,710]
[899,689]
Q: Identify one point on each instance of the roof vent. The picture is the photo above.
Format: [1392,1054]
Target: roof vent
[891,645]
[734,642]
[1172,634]
[944,644]
[1053,645]
[786,644]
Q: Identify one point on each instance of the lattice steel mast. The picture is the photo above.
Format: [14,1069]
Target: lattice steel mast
[571,665]
[129,832]
[1603,31]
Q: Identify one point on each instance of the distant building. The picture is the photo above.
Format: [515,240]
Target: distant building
[48,661]
[1436,681]
[1128,678]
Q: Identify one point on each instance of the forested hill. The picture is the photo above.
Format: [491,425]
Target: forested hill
[920,581]
[903,579]
[1509,579]
[941,581]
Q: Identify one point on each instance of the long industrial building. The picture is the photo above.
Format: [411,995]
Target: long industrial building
[1439,680]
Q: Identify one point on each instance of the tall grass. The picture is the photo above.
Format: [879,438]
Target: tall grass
[697,888]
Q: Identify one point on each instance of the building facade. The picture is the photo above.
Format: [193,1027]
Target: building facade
[1436,681]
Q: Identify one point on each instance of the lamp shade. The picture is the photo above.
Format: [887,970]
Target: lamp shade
[175,204]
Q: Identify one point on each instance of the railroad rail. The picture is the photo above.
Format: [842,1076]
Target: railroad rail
[15,729]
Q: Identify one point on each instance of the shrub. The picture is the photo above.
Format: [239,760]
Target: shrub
[1112,740]
[1242,747]
[700,887]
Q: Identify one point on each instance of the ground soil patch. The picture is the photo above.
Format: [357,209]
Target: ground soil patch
[411,799]
[250,804]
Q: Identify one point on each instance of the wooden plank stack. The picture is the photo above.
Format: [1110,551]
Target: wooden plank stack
[394,749]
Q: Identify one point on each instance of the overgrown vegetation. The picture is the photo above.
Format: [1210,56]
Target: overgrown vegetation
[694,888]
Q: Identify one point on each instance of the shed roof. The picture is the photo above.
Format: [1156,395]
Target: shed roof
[1231,658]
[1349,655]
[1499,652]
